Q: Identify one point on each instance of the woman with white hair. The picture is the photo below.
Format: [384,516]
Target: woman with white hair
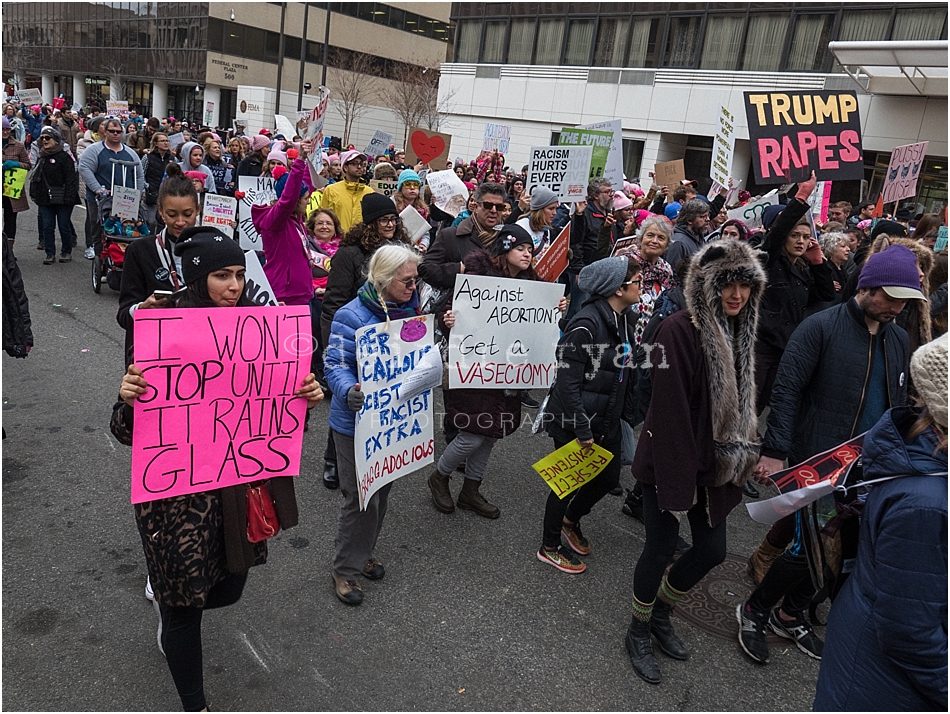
[836,247]
[389,293]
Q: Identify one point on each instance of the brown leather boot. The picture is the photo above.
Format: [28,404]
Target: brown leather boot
[761,560]
[472,500]
[439,485]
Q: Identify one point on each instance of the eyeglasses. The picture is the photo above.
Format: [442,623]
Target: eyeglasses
[357,162]
[113,131]
[409,282]
[638,281]
[387,221]
[489,206]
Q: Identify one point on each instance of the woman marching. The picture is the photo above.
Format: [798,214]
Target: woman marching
[55,190]
[698,446]
[196,545]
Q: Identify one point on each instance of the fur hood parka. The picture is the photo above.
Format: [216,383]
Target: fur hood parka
[700,427]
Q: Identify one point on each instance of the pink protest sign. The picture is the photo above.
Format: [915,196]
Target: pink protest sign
[220,409]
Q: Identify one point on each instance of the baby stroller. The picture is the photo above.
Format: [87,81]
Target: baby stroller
[117,231]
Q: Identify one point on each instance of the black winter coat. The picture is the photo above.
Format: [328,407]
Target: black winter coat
[821,382]
[585,229]
[17,328]
[348,268]
[51,174]
[452,245]
[589,399]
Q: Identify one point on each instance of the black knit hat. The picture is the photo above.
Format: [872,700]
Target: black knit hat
[509,238]
[375,206]
[204,250]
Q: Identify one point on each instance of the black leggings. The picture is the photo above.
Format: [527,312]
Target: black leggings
[579,503]
[662,529]
[181,640]
[788,580]
[9,220]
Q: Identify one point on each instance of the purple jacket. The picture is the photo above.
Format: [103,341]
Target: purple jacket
[288,264]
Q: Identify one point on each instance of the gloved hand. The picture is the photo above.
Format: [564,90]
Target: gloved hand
[10,165]
[355,398]
[813,253]
[806,187]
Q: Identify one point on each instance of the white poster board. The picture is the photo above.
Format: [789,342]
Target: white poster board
[29,97]
[175,140]
[318,116]
[387,188]
[563,169]
[394,435]
[219,211]
[258,191]
[256,285]
[285,127]
[449,194]
[379,143]
[125,202]
[497,138]
[505,333]
[751,213]
[416,226]
[613,171]
[724,146]
[117,109]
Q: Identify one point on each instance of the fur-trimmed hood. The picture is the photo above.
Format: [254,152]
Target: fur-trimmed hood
[917,321]
[729,348]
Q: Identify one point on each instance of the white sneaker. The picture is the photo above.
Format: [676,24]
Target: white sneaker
[158,635]
[90,253]
[149,593]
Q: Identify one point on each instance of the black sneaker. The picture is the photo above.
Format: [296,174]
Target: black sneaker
[752,633]
[800,631]
[49,259]
[633,505]
[528,401]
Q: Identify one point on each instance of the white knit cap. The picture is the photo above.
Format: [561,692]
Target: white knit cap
[928,369]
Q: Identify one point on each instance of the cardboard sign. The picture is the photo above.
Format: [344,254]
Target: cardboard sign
[285,127]
[731,193]
[449,194]
[571,466]
[125,202]
[209,112]
[29,97]
[175,140]
[795,133]
[416,226]
[379,143]
[258,191]
[429,147]
[220,408]
[117,109]
[303,121]
[564,170]
[941,243]
[724,146]
[497,138]
[751,213]
[669,173]
[13,182]
[505,332]
[553,260]
[900,181]
[239,126]
[599,141]
[387,188]
[219,211]
[256,285]
[393,434]
[613,169]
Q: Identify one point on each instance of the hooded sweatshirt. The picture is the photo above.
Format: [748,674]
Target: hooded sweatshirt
[185,164]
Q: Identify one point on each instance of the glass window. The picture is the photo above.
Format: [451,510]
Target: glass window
[291,47]
[684,32]
[579,39]
[919,24]
[765,39]
[493,50]
[397,18]
[215,34]
[632,156]
[468,36]
[864,25]
[722,42]
[809,42]
[521,43]
[254,39]
[643,43]
[234,40]
[272,47]
[613,38]
[315,52]
[550,39]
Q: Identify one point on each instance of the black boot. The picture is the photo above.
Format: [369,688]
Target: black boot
[640,648]
[750,490]
[330,477]
[662,629]
[633,504]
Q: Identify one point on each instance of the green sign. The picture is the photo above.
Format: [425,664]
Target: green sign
[599,141]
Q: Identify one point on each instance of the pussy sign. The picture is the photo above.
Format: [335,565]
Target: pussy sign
[795,133]
[220,407]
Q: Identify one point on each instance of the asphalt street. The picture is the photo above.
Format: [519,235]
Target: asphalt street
[466,618]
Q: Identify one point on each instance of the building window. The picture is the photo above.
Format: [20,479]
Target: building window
[613,37]
[919,24]
[681,45]
[864,26]
[764,42]
[579,39]
[812,33]
[550,39]
[643,43]
[234,40]
[493,51]
[521,43]
[722,42]
[632,156]
[469,35]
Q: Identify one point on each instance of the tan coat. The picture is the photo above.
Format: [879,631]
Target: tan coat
[15,151]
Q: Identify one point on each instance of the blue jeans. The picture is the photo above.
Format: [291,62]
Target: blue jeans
[49,217]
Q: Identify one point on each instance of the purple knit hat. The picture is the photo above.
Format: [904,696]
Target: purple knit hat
[894,270]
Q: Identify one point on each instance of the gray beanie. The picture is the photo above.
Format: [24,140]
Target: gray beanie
[604,277]
[541,197]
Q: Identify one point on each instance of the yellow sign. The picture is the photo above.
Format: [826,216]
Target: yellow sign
[571,466]
[13,182]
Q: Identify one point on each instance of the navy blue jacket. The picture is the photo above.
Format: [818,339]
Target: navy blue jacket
[886,643]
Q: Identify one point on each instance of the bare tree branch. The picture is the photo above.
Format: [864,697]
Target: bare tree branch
[414,97]
[352,88]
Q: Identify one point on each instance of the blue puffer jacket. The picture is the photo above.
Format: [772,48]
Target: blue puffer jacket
[886,647]
[339,361]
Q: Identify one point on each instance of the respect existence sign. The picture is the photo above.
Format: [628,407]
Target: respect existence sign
[397,368]
[505,333]
[562,169]
[220,407]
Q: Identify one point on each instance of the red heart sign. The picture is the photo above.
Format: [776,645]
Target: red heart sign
[426,147]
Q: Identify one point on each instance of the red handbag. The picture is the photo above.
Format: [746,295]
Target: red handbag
[262,522]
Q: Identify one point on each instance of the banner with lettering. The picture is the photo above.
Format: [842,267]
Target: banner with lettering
[903,171]
[220,408]
[497,138]
[600,143]
[553,260]
[752,212]
[563,169]
[795,133]
[219,211]
[505,333]
[571,466]
[723,148]
[258,191]
[397,369]
[613,169]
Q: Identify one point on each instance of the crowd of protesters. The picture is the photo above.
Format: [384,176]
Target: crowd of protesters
[812,321]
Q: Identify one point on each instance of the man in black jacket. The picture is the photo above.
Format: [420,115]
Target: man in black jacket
[842,369]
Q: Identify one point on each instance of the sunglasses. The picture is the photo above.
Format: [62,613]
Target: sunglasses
[113,131]
[411,184]
[489,206]
[409,282]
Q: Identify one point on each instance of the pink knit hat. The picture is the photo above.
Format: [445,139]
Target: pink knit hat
[259,142]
